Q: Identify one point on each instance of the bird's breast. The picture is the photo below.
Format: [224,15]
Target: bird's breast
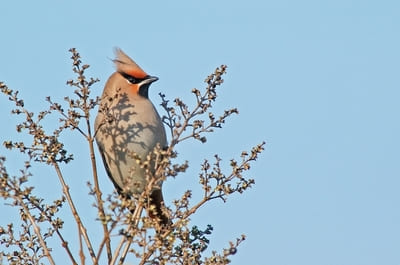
[126,131]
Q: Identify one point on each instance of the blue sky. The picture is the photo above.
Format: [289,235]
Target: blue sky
[317,80]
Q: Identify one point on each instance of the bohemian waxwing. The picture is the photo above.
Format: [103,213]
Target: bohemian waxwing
[128,125]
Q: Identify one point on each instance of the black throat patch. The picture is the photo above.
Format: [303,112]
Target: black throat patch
[144,90]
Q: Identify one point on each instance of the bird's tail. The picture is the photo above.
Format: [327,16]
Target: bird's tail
[158,202]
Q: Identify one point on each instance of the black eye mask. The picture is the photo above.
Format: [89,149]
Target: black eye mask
[131,79]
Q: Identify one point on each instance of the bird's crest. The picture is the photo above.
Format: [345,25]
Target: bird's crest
[126,65]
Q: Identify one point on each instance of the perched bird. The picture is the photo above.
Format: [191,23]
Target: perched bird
[128,126]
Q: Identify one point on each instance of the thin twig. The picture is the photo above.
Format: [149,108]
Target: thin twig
[64,243]
[106,238]
[37,231]
[136,217]
[117,250]
[78,220]
[81,252]
[125,251]
[98,195]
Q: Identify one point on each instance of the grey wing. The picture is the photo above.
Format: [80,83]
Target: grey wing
[119,189]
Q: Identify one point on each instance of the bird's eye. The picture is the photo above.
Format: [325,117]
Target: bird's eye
[130,78]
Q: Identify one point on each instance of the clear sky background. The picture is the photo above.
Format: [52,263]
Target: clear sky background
[317,80]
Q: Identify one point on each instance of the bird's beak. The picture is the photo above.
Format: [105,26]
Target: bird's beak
[149,80]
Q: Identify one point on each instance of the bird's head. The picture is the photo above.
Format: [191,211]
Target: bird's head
[138,81]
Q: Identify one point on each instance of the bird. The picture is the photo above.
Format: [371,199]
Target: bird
[128,127]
